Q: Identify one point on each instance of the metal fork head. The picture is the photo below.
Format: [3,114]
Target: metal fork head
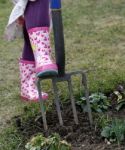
[66,78]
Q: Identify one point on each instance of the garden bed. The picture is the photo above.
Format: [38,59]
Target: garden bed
[81,136]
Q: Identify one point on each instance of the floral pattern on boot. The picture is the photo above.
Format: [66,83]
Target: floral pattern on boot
[29,90]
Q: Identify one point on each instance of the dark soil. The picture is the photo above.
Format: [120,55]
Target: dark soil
[82,136]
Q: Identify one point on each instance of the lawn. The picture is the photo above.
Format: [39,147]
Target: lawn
[94,40]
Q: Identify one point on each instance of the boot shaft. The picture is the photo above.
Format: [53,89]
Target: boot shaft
[40,42]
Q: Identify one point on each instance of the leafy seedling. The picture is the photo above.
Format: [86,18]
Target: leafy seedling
[98,101]
[114,131]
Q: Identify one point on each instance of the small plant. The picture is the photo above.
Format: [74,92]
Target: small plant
[114,131]
[102,120]
[51,143]
[120,100]
[98,101]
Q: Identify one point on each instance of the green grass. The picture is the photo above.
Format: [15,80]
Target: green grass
[94,40]
[9,83]
[11,140]
[94,32]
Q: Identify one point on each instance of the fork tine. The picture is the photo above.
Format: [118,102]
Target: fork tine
[57,102]
[72,101]
[84,82]
[42,106]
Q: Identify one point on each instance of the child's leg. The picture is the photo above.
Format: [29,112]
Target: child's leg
[27,50]
[37,25]
[27,72]
[37,14]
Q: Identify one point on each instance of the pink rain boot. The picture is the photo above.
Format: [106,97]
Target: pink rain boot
[28,87]
[40,42]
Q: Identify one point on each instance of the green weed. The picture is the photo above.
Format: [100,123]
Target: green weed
[114,131]
[98,102]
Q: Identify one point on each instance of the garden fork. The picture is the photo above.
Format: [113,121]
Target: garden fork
[62,77]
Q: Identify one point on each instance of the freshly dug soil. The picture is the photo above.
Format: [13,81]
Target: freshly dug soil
[82,136]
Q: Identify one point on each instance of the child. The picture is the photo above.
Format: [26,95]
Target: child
[33,17]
